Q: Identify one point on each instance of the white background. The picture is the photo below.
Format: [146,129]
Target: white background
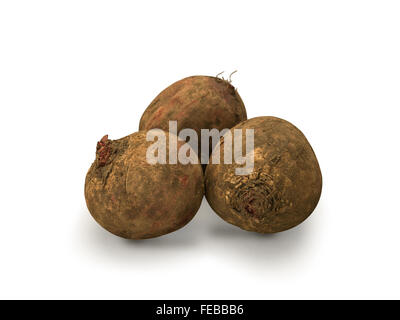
[72,71]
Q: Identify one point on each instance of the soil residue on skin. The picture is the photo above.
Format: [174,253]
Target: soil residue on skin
[136,200]
[284,187]
[197,102]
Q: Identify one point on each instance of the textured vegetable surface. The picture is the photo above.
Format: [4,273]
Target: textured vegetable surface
[197,102]
[134,199]
[284,187]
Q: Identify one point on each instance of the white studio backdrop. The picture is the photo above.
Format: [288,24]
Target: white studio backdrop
[72,71]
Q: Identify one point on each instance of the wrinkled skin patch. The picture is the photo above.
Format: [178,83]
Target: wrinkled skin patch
[254,194]
[136,200]
[284,187]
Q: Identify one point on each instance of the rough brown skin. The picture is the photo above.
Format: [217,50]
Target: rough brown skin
[197,102]
[137,200]
[284,187]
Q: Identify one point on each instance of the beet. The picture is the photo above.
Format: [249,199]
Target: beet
[197,102]
[283,188]
[136,200]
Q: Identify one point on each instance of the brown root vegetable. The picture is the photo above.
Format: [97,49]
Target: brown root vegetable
[283,188]
[197,102]
[134,199]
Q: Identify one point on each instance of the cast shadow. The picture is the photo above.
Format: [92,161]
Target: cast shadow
[256,249]
[206,234]
[94,242]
